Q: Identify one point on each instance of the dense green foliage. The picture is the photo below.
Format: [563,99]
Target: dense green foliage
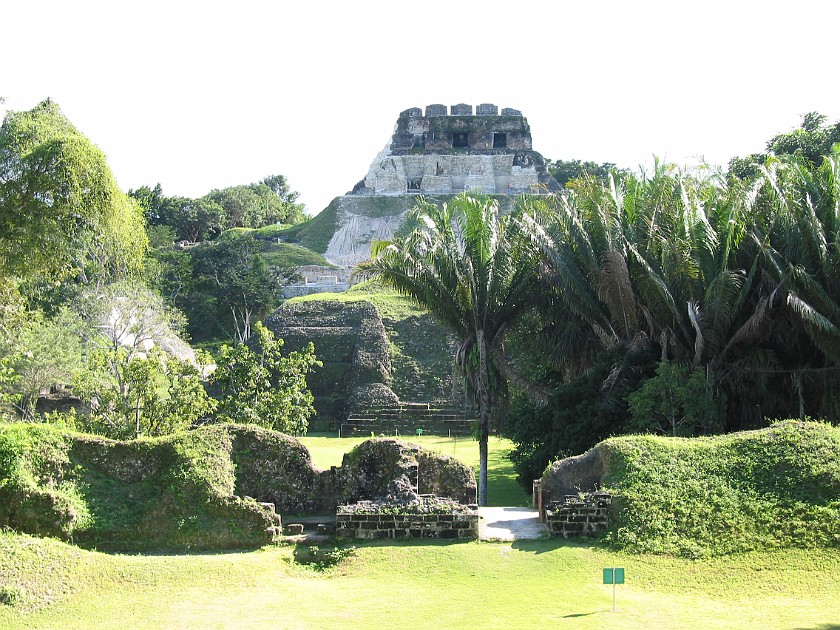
[811,141]
[732,282]
[473,270]
[587,409]
[61,212]
[260,385]
[225,285]
[148,493]
[232,286]
[565,171]
[776,487]
[255,205]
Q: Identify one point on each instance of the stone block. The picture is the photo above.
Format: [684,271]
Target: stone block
[436,110]
[487,109]
[461,109]
[293,529]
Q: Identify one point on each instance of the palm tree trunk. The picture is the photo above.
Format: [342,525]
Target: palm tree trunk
[483,419]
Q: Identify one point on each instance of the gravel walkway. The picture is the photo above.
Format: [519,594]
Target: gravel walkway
[510,523]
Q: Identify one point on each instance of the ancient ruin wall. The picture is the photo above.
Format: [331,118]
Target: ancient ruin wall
[350,340]
[440,152]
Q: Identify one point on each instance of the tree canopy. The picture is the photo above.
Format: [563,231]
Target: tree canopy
[61,212]
[249,206]
[473,270]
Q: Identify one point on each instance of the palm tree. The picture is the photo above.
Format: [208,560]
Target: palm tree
[474,270]
[799,240]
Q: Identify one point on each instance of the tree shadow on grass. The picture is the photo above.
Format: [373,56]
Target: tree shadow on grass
[544,545]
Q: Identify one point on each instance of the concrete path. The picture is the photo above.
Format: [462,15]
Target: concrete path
[510,523]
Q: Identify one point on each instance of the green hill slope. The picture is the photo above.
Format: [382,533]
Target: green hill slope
[274,251]
[776,487]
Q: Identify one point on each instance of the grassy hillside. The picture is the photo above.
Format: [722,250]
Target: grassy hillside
[777,487]
[315,233]
[529,584]
[276,253]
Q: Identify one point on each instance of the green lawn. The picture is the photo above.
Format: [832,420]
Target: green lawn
[424,585]
[430,584]
[502,488]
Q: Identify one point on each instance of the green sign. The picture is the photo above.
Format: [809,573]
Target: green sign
[419,431]
[614,576]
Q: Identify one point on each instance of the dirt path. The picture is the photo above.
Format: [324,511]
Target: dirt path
[510,523]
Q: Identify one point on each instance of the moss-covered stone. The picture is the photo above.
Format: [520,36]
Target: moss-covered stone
[350,339]
[203,489]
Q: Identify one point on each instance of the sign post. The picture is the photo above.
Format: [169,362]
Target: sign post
[614,575]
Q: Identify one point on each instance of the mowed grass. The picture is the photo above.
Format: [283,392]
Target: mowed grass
[416,584]
[531,584]
[502,488]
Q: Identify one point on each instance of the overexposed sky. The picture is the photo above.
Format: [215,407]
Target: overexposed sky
[204,95]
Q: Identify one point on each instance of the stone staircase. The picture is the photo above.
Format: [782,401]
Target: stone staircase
[408,419]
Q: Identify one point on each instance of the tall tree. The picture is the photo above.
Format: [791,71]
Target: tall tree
[61,212]
[261,385]
[474,271]
[236,287]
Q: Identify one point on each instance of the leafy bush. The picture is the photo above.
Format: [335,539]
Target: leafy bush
[11,595]
[580,413]
[265,387]
[679,400]
[320,559]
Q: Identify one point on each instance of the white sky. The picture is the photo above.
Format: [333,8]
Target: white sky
[209,94]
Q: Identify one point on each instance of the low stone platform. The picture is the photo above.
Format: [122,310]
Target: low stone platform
[424,518]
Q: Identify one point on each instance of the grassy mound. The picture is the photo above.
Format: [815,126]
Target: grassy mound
[177,491]
[274,252]
[315,233]
[191,490]
[773,488]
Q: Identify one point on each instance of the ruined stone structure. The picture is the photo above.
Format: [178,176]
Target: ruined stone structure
[370,365]
[579,515]
[351,343]
[362,521]
[318,279]
[371,380]
[443,153]
[570,498]
[437,153]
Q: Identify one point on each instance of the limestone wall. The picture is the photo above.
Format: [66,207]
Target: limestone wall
[582,473]
[579,515]
[391,526]
[350,340]
[508,173]
[449,150]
